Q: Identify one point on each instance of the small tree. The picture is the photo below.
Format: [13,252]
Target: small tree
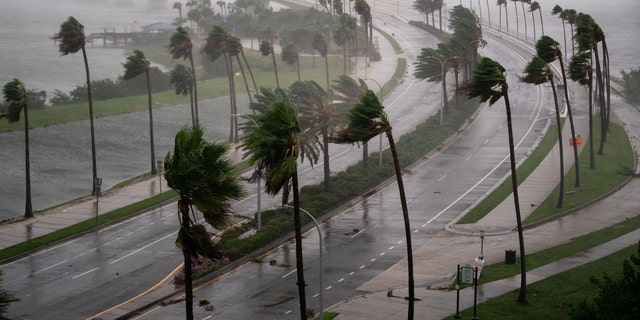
[617,298]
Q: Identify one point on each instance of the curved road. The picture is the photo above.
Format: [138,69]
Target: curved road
[84,276]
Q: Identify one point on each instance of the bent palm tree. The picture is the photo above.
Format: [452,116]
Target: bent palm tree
[16,98]
[181,47]
[182,79]
[506,14]
[320,43]
[539,72]
[367,119]
[71,39]
[201,174]
[581,71]
[136,65]
[490,83]
[549,50]
[274,147]
[291,56]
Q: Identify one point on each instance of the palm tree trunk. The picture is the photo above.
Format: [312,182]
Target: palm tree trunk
[244,78]
[188,274]
[524,17]
[607,76]
[195,88]
[193,113]
[275,68]
[298,235]
[533,19]
[326,70]
[560,142]
[298,67]
[541,21]
[28,207]
[592,160]
[522,296]
[253,79]
[576,158]
[325,154]
[517,23]
[407,225]
[600,90]
[93,136]
[151,141]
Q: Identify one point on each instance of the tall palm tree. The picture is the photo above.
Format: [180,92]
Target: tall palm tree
[136,65]
[71,39]
[218,45]
[16,98]
[291,56]
[538,72]
[201,173]
[557,10]
[178,5]
[368,119]
[588,35]
[320,43]
[235,51]
[506,13]
[347,93]
[266,49]
[181,47]
[536,6]
[549,50]
[274,147]
[319,112]
[517,23]
[182,79]
[581,71]
[524,16]
[433,64]
[490,83]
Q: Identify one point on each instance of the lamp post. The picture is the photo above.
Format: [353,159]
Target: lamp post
[97,187]
[259,209]
[320,263]
[444,85]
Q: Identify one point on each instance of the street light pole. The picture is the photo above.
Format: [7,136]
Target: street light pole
[259,178]
[320,263]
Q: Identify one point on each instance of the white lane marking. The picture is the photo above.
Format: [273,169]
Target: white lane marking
[316,295]
[382,253]
[288,311]
[85,273]
[442,178]
[341,279]
[288,274]
[328,288]
[142,248]
[362,266]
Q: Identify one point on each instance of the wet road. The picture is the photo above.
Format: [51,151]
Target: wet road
[94,272]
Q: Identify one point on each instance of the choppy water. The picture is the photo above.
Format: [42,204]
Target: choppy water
[61,162]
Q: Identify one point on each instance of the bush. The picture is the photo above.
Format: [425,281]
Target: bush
[631,86]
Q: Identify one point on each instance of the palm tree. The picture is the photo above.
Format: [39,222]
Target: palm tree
[136,65]
[367,119]
[549,50]
[273,148]
[517,24]
[201,173]
[235,50]
[223,5]
[536,6]
[506,13]
[318,111]
[182,79]
[433,65]
[178,5]
[347,93]
[561,14]
[581,71]
[16,98]
[320,43]
[71,39]
[266,49]
[490,83]
[217,45]
[424,7]
[524,16]
[538,72]
[291,56]
[181,47]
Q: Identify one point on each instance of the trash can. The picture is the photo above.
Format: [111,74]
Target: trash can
[509,256]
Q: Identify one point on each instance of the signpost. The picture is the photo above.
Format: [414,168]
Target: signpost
[469,275]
